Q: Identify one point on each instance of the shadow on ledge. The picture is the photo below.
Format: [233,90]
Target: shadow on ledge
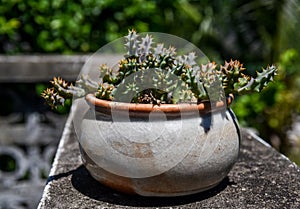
[88,186]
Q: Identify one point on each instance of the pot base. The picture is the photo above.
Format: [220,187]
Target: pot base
[139,186]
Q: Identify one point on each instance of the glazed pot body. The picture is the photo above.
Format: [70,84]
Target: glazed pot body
[153,154]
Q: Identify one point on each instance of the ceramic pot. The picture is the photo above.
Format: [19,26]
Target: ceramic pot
[159,150]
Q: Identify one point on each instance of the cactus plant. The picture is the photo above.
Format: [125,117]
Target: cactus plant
[209,81]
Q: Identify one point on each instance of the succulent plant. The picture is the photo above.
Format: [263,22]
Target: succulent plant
[174,78]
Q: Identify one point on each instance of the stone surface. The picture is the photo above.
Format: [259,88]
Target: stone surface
[262,178]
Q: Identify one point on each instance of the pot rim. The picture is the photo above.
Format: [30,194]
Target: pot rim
[166,108]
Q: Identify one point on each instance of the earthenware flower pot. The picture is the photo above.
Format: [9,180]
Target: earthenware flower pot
[159,150]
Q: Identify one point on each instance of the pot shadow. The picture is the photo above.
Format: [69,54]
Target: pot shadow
[84,183]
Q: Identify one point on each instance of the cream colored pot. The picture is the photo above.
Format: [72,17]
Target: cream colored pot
[159,150]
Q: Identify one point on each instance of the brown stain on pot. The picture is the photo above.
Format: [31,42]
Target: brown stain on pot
[142,150]
[135,150]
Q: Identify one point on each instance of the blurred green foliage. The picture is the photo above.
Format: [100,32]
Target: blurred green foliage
[274,111]
[257,32]
[78,26]
[222,29]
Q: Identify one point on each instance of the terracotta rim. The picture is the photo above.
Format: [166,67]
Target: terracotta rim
[166,108]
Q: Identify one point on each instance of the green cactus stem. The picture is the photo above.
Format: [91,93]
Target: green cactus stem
[175,78]
[236,82]
[62,90]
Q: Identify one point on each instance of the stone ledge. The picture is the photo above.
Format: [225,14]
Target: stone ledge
[42,68]
[39,68]
[262,178]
